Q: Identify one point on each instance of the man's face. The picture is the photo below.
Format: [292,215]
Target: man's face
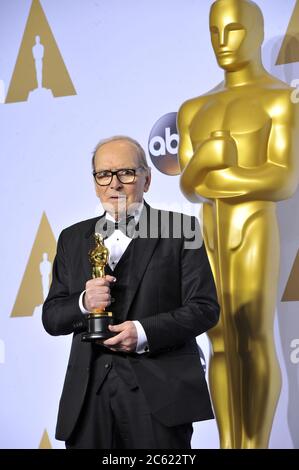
[118,197]
[232,34]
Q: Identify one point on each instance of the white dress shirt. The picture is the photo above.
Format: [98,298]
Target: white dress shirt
[117,244]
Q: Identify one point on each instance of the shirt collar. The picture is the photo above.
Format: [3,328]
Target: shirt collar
[136,212]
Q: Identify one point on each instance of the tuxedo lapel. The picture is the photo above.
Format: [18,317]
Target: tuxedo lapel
[141,254]
[143,247]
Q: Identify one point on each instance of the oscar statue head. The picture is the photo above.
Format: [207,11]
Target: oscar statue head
[237,33]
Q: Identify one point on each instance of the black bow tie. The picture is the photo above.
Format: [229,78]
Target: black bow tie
[127,226]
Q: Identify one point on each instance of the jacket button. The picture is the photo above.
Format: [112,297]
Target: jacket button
[107,366]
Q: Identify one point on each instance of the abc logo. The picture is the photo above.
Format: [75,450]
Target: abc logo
[163,145]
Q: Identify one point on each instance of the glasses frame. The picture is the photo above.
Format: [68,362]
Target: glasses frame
[112,173]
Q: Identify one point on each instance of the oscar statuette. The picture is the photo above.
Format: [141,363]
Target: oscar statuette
[98,320]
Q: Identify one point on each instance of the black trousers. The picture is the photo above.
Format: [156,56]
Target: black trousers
[115,414]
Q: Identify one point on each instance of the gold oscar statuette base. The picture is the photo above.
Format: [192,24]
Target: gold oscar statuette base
[97,326]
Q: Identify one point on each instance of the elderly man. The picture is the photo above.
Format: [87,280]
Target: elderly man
[145,385]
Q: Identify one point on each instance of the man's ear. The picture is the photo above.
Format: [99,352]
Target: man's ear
[148,179]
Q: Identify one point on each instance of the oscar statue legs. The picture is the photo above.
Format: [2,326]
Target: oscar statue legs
[244,372]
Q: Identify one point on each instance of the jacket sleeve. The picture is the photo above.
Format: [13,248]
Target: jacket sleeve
[61,312]
[199,310]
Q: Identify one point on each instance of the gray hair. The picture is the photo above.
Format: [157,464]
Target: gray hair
[139,149]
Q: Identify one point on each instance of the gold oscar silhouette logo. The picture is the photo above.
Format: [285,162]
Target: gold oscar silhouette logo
[291,292]
[45,441]
[37,277]
[40,71]
[289,51]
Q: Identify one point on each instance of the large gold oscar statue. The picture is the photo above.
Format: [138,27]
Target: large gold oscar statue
[238,152]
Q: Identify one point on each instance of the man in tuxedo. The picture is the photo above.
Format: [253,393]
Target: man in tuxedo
[144,386]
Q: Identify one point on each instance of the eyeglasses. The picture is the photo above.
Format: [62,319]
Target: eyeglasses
[124,175]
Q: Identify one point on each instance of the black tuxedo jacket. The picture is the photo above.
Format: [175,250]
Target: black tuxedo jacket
[171,292]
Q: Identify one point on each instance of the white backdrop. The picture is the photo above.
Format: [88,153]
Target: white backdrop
[130,62]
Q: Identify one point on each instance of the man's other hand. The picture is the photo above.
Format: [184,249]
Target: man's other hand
[126,338]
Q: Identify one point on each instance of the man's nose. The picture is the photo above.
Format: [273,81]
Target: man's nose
[115,183]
